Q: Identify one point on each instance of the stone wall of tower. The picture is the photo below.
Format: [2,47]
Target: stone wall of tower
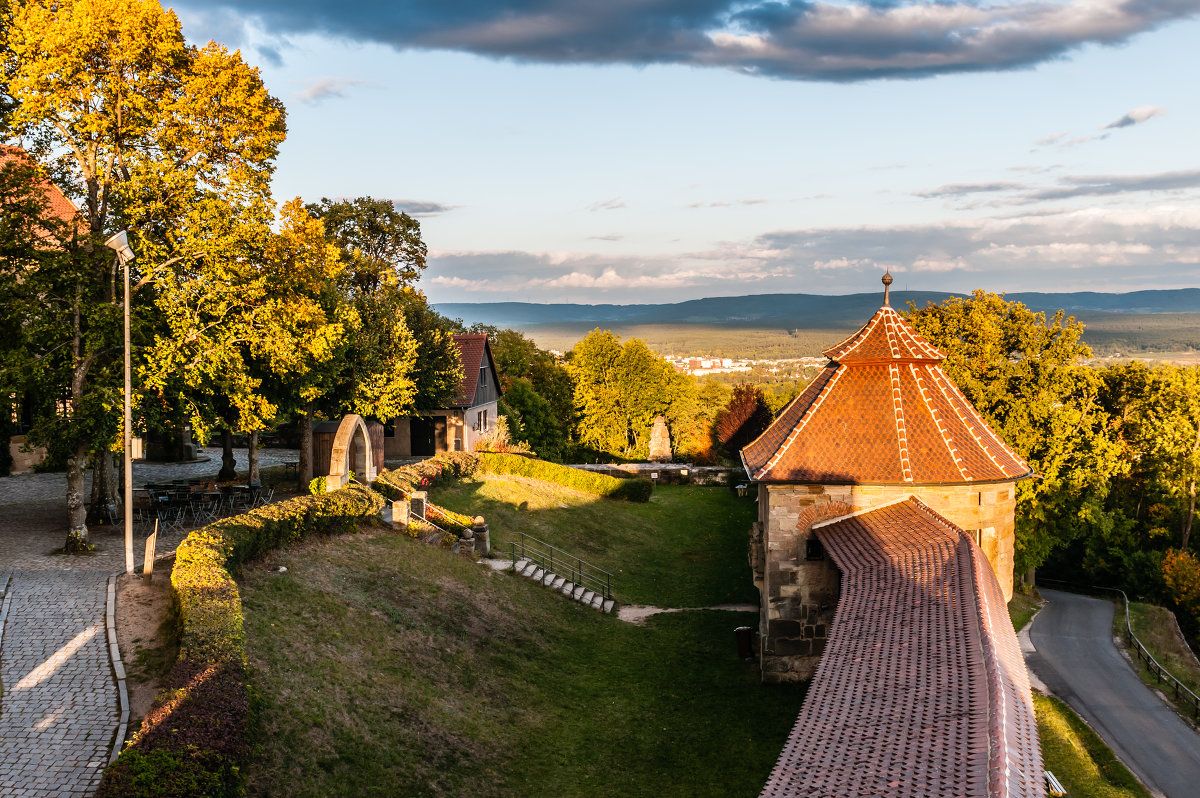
[798,583]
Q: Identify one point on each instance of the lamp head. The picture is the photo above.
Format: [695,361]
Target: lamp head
[119,243]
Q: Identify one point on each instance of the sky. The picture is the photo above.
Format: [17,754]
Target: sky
[636,151]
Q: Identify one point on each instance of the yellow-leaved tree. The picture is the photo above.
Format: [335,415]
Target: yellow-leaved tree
[173,142]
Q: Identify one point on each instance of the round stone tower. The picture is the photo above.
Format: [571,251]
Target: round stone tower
[882,422]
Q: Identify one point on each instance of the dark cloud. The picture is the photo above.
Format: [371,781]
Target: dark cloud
[1099,185]
[421,208]
[791,39]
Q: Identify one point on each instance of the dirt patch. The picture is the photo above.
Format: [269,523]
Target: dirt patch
[146,636]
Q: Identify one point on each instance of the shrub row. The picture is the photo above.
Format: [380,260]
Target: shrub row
[194,740]
[634,490]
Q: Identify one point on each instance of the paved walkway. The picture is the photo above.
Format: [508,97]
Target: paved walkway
[58,698]
[1078,662]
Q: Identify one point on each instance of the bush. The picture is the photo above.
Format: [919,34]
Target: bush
[634,490]
[194,741]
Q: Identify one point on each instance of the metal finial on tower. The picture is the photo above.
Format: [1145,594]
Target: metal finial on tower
[887,287]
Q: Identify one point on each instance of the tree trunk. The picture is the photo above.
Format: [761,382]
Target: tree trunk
[306,466]
[77,531]
[252,456]
[228,463]
[105,487]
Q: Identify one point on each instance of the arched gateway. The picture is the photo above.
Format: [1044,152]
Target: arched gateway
[351,452]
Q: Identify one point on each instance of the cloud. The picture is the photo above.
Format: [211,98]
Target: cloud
[721,204]
[606,238]
[963,189]
[1100,185]
[616,203]
[1136,117]
[421,208]
[327,88]
[791,39]
[1100,249]
[1053,138]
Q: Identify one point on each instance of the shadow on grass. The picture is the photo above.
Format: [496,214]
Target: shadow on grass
[686,547]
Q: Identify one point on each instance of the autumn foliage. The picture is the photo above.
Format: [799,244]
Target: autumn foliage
[745,418]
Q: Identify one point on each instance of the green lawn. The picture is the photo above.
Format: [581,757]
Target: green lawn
[384,667]
[686,547]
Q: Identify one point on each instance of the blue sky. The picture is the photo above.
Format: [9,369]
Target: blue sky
[661,150]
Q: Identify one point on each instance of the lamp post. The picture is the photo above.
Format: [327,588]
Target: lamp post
[119,243]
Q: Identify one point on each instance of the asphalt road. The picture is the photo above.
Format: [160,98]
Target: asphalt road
[1078,662]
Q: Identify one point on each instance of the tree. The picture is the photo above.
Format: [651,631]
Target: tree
[1025,375]
[175,143]
[532,419]
[437,373]
[745,418]
[620,389]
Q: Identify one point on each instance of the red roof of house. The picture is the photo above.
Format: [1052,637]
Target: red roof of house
[882,411]
[922,691]
[60,206]
[472,348]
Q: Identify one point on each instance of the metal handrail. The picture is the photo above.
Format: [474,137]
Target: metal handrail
[1143,654]
[583,575]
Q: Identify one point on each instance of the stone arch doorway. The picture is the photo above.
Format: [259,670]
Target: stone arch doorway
[351,452]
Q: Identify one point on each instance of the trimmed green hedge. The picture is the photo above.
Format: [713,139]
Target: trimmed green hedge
[634,490]
[194,741]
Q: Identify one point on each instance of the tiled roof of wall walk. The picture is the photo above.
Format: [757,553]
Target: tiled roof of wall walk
[472,348]
[60,206]
[922,691]
[882,411]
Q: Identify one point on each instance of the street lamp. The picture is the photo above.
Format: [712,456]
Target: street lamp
[119,243]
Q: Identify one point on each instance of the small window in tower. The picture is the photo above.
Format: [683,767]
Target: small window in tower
[813,550]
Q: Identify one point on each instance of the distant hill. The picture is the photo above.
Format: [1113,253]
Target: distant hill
[793,325]
[808,311]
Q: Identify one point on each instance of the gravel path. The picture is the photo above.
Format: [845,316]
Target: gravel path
[58,696]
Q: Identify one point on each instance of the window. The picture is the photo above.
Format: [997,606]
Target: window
[813,550]
[485,421]
[483,376]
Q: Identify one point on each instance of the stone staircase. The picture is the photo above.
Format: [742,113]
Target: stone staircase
[531,570]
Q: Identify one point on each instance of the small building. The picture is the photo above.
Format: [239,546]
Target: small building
[469,416]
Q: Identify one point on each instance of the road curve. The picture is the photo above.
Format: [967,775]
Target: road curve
[1078,662]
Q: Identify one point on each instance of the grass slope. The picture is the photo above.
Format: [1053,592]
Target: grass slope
[686,547]
[1156,628]
[384,667]
[1078,757]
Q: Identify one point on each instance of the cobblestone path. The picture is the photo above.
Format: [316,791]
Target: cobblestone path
[59,710]
[58,698]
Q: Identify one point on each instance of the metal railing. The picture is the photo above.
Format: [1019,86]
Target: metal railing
[1161,674]
[553,560]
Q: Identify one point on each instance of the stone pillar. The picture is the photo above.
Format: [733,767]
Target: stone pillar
[660,442]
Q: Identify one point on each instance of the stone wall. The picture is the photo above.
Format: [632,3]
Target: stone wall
[799,584]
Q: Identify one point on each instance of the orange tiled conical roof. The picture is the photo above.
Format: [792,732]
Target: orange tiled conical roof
[882,411]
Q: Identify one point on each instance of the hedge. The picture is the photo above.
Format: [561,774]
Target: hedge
[195,739]
[634,490]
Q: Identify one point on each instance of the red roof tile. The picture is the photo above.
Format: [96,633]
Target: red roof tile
[471,351]
[882,411]
[60,206]
[922,691]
